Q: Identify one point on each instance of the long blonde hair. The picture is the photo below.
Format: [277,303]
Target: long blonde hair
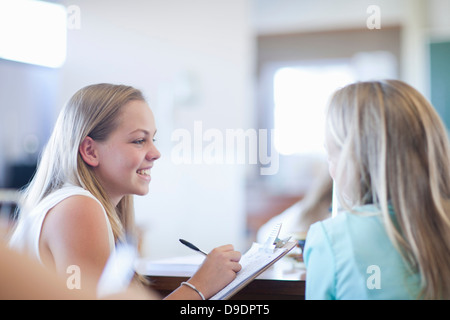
[395,148]
[92,111]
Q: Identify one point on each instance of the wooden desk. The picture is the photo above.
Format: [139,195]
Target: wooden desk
[280,282]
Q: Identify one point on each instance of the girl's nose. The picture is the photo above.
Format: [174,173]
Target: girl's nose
[153,153]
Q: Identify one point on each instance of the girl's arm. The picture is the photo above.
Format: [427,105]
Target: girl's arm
[24,278]
[218,270]
[320,265]
[74,233]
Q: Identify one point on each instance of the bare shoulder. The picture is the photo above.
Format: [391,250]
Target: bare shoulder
[74,231]
[76,212]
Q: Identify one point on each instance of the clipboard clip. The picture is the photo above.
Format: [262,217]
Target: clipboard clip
[273,241]
[280,243]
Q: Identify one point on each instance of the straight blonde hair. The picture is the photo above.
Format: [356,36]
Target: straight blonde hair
[395,150]
[92,111]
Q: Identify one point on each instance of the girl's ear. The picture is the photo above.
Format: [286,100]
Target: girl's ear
[89,152]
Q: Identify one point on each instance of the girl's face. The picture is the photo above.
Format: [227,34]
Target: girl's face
[127,156]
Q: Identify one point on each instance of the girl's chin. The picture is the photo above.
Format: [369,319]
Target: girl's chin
[142,191]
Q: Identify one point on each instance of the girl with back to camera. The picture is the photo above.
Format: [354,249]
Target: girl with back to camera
[79,203]
[389,156]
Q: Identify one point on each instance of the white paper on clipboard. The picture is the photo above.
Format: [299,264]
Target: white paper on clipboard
[254,262]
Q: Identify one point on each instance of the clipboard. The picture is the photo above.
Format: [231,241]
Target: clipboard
[255,261]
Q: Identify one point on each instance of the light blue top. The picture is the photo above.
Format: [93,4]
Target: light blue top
[351,256]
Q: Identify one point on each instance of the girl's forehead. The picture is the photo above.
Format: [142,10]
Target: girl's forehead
[137,114]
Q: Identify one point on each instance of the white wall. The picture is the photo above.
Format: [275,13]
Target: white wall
[438,21]
[419,19]
[287,16]
[161,47]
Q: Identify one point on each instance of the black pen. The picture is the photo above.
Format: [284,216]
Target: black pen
[190,245]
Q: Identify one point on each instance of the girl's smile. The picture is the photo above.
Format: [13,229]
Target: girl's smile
[144,173]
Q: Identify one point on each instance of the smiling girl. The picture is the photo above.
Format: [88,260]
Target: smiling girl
[79,203]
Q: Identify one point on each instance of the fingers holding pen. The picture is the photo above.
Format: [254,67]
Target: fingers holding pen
[218,270]
[227,255]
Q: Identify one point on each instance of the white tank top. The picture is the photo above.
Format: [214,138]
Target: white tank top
[28,231]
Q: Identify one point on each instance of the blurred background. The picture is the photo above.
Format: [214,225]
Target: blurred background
[226,65]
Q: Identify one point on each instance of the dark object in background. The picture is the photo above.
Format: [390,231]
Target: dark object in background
[20,175]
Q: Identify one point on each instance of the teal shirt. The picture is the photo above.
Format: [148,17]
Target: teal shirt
[351,256]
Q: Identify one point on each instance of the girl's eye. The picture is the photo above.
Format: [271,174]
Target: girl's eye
[139,141]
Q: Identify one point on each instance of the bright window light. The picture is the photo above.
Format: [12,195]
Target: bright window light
[33,32]
[301,94]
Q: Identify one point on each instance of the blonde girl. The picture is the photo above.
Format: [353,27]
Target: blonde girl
[79,204]
[390,158]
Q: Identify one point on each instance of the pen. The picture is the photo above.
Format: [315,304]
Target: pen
[190,245]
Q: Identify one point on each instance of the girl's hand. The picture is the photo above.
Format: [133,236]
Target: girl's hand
[218,270]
